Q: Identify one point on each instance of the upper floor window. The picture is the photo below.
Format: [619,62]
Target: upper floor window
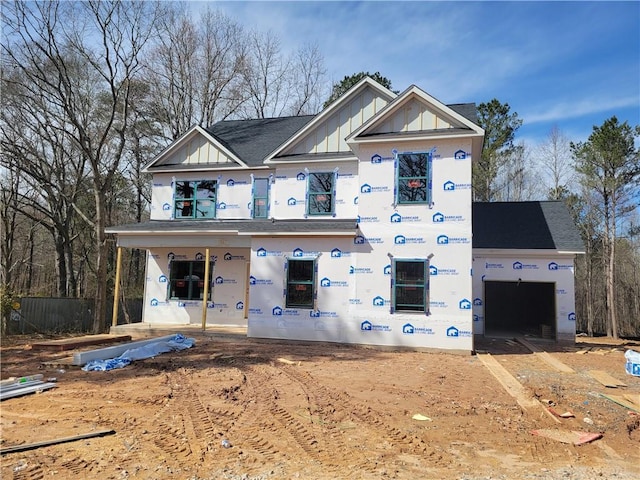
[260,197]
[410,285]
[414,178]
[320,195]
[301,283]
[186,280]
[195,199]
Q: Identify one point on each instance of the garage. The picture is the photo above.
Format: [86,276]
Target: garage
[520,308]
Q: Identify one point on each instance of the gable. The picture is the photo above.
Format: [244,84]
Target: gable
[196,149]
[415,115]
[326,133]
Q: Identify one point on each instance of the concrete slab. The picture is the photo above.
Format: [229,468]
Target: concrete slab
[82,358]
[77,342]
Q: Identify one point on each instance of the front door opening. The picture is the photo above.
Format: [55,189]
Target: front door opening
[520,308]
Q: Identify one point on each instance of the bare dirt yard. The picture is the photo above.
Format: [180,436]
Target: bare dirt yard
[322,411]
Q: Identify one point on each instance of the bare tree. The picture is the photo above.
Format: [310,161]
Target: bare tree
[554,155]
[83,57]
[309,81]
[194,69]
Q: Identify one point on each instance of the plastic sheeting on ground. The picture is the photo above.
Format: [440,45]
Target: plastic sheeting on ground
[178,342]
[633,362]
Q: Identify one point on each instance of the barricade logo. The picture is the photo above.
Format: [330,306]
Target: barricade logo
[555,266]
[435,271]
[355,200]
[336,253]
[442,240]
[199,256]
[359,239]
[439,217]
[446,240]
[367,326]
[571,317]
[301,176]
[366,188]
[219,280]
[166,207]
[477,301]
[488,265]
[222,206]
[321,314]
[154,302]
[368,219]
[464,304]
[162,279]
[211,305]
[263,252]
[276,311]
[325,282]
[396,218]
[378,301]
[240,306]
[409,329]
[376,158]
[228,257]
[450,186]
[387,270]
[454,332]
[402,240]
[359,270]
[291,201]
[524,266]
[460,155]
[230,182]
[173,256]
[298,252]
[256,281]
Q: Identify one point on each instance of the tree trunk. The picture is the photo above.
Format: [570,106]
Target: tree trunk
[102,252]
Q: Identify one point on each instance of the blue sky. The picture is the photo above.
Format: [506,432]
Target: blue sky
[569,64]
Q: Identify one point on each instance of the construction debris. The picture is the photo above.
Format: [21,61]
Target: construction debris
[17,387]
[574,437]
[45,443]
[605,379]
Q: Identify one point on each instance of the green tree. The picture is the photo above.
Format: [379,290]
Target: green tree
[349,81]
[608,164]
[500,126]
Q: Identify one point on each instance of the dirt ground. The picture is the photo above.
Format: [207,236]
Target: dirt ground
[328,412]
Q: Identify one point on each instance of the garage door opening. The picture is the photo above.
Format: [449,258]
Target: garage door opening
[520,308]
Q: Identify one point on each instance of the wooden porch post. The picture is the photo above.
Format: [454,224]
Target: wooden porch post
[206,290]
[116,290]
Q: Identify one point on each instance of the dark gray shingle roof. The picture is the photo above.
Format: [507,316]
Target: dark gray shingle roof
[467,110]
[525,225]
[253,140]
[301,226]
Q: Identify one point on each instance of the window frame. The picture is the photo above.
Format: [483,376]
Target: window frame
[397,284]
[331,192]
[426,178]
[190,283]
[194,200]
[312,282]
[256,198]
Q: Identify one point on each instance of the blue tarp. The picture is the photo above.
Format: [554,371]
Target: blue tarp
[177,342]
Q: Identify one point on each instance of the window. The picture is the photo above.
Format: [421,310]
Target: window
[186,280]
[320,194]
[260,197]
[414,182]
[410,286]
[195,199]
[300,283]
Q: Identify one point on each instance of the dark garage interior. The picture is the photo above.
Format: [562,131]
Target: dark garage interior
[520,308]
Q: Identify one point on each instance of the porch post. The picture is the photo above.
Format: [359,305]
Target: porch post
[116,290]
[205,295]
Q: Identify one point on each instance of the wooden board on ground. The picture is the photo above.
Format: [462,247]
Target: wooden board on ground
[633,398]
[622,402]
[509,382]
[574,437]
[77,342]
[546,357]
[605,379]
